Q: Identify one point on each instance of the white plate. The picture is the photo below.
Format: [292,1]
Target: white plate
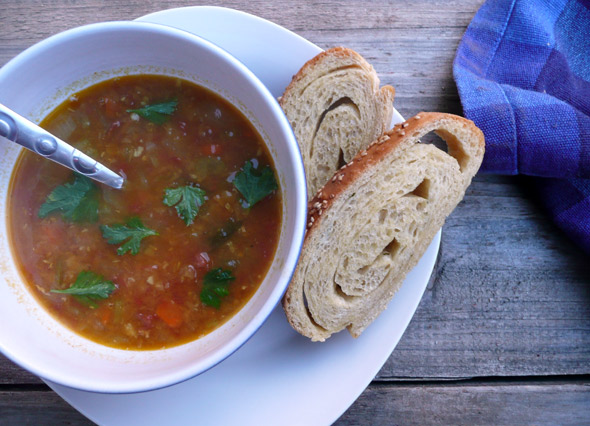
[278,377]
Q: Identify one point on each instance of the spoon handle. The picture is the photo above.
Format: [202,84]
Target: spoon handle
[18,129]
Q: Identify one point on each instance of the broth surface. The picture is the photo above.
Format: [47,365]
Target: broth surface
[158,295]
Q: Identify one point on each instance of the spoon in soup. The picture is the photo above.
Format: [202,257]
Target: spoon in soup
[18,129]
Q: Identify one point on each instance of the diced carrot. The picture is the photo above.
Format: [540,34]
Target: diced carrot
[170,313]
[105,314]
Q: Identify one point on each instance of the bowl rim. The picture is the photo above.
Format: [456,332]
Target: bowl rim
[292,252]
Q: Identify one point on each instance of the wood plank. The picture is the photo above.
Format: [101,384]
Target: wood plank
[12,374]
[485,404]
[37,407]
[384,404]
[411,45]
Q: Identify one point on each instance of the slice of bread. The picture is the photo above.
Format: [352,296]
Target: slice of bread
[371,223]
[336,108]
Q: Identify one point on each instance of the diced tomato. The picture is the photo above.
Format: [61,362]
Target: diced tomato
[211,149]
[111,108]
[170,313]
[202,262]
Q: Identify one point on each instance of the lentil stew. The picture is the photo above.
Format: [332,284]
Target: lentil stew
[186,242]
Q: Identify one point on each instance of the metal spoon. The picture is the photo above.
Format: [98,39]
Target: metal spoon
[18,129]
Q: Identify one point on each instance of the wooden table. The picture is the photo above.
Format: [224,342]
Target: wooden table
[502,335]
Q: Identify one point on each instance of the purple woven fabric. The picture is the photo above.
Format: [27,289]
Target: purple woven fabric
[523,74]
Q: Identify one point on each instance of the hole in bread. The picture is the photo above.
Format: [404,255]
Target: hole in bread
[341,161]
[392,248]
[382,215]
[338,290]
[433,139]
[422,190]
[306,306]
[449,143]
[455,148]
[363,270]
[342,101]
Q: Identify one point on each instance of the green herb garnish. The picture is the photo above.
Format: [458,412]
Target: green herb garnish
[187,200]
[133,231]
[215,286]
[77,201]
[89,287]
[254,186]
[157,113]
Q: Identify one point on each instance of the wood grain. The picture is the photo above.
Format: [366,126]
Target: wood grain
[558,403]
[510,296]
[475,404]
[37,407]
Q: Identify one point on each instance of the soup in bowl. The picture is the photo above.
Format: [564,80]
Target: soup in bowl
[129,290]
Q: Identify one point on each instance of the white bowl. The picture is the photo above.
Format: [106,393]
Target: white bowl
[38,80]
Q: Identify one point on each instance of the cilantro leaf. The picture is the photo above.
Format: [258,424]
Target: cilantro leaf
[89,287]
[133,231]
[215,286]
[77,201]
[157,113]
[255,186]
[187,200]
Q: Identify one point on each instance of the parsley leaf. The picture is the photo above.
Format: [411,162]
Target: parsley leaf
[255,186]
[157,113]
[133,231]
[77,201]
[187,200]
[89,287]
[215,286]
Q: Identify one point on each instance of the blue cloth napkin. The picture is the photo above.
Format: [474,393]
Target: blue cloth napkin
[523,74]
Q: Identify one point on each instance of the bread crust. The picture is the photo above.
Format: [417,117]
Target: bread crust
[402,133]
[336,108]
[466,148]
